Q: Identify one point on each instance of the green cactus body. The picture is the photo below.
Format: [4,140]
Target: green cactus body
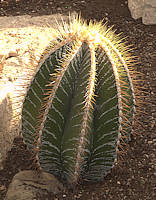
[79,108]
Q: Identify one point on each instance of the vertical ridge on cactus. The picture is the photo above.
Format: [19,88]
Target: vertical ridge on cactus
[79,109]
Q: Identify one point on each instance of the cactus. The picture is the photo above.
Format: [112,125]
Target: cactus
[79,108]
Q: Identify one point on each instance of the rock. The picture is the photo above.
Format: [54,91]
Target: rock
[136,8]
[145,9]
[28,185]
[151,3]
[6,115]
[12,53]
[149,15]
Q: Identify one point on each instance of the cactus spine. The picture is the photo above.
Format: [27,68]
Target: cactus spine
[79,108]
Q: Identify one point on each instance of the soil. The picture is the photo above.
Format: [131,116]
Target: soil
[134,178]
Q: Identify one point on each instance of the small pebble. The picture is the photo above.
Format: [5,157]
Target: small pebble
[2,188]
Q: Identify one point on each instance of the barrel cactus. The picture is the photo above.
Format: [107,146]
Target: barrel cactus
[79,108]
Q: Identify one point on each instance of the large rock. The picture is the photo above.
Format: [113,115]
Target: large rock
[28,185]
[143,8]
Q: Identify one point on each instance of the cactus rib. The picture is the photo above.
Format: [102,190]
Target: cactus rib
[79,109]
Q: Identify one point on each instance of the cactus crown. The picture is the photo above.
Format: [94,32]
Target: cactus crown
[79,108]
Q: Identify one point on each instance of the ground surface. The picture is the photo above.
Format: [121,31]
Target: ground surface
[135,176]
